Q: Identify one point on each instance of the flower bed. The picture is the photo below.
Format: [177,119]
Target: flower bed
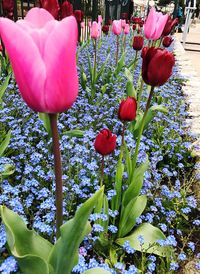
[168,182]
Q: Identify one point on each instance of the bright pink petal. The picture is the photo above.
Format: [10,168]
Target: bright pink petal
[150,24]
[38,17]
[61,87]
[162,19]
[26,62]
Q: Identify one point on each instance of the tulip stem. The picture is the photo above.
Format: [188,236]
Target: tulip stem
[117,50]
[140,93]
[141,131]
[102,171]
[58,172]
[95,60]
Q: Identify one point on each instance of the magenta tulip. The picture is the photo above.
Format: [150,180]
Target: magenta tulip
[154,24]
[100,19]
[95,30]
[126,29]
[42,52]
[123,23]
[116,27]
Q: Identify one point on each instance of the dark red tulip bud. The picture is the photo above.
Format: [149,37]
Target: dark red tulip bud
[8,8]
[66,9]
[124,15]
[105,29]
[138,42]
[105,142]
[51,6]
[157,66]
[167,40]
[127,109]
[78,15]
[109,22]
[169,26]
[134,26]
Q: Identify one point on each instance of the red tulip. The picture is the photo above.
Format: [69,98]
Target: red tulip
[134,26]
[66,9]
[105,142]
[167,40]
[170,24]
[124,15]
[78,15]
[138,42]
[127,109]
[8,8]
[156,66]
[51,6]
[105,29]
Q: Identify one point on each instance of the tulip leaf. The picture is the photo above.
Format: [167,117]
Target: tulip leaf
[64,254]
[44,117]
[8,169]
[102,68]
[130,213]
[151,235]
[30,249]
[4,86]
[128,75]
[120,64]
[4,143]
[130,89]
[96,270]
[136,183]
[116,200]
[83,78]
[128,162]
[74,133]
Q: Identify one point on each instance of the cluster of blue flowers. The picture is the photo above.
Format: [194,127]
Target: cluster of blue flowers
[30,190]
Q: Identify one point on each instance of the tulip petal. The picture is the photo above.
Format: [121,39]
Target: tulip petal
[61,87]
[38,17]
[150,24]
[162,20]
[29,71]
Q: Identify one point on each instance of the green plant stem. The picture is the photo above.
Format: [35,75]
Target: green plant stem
[141,130]
[95,60]
[102,171]
[117,50]
[140,93]
[58,172]
[122,144]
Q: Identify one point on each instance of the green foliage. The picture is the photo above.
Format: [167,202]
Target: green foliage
[5,143]
[74,133]
[4,87]
[44,117]
[96,270]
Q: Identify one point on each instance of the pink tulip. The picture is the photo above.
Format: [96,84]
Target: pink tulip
[90,24]
[82,25]
[123,23]
[95,32]
[116,27]
[126,29]
[100,19]
[154,24]
[42,52]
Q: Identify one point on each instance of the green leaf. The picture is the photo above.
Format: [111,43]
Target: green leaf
[83,78]
[5,143]
[128,75]
[101,70]
[90,67]
[120,64]
[128,161]
[30,249]
[104,224]
[136,183]
[130,213]
[130,89]
[96,270]
[44,117]
[74,133]
[8,169]
[116,200]
[64,254]
[151,235]
[4,86]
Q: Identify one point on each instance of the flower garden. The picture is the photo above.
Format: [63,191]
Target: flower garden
[96,170]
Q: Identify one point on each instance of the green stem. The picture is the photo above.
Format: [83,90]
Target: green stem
[141,129]
[117,50]
[58,172]
[102,171]
[95,59]
[140,93]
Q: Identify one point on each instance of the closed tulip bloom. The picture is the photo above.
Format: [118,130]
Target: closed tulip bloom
[167,40]
[134,26]
[169,26]
[156,66]
[126,29]
[100,19]
[123,23]
[127,109]
[116,27]
[90,24]
[82,25]
[154,24]
[8,8]
[105,29]
[138,42]
[105,142]
[51,6]
[78,15]
[95,33]
[66,9]
[44,65]
[124,15]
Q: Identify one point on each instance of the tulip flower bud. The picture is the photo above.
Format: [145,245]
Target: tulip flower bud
[105,29]
[124,15]
[123,23]
[105,142]
[138,42]
[95,31]
[127,109]
[167,40]
[100,19]
[157,66]
[134,26]
[66,9]
[78,15]
[169,26]
[116,27]
[126,29]
[52,6]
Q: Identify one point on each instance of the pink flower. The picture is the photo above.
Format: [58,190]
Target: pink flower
[90,24]
[82,25]
[154,24]
[95,31]
[116,27]
[123,23]
[42,52]
[100,19]
[126,29]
